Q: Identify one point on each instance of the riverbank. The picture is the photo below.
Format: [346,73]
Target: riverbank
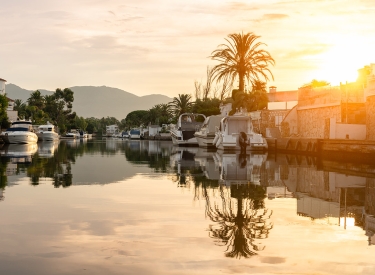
[330,148]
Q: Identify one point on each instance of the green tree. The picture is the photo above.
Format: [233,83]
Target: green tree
[59,108]
[242,58]
[36,99]
[208,107]
[160,114]
[137,118]
[20,107]
[181,104]
[4,121]
[80,123]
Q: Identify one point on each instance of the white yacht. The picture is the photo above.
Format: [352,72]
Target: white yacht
[47,132]
[237,131]
[183,132]
[206,134]
[21,131]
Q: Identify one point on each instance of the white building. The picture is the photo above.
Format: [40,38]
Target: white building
[153,130]
[12,115]
[112,130]
[2,86]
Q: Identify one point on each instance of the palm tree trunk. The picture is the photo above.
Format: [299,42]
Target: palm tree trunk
[241,82]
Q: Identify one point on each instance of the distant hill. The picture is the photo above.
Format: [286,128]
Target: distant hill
[90,101]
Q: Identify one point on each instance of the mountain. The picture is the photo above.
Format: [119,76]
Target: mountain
[90,101]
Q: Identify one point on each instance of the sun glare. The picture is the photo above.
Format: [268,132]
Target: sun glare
[342,62]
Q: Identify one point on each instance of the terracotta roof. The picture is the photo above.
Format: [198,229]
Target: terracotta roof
[2,80]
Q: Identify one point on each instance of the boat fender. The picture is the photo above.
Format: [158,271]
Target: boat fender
[215,139]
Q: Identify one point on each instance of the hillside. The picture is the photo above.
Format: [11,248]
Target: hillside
[90,101]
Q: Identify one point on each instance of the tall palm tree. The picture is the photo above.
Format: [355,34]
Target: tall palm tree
[242,58]
[181,104]
[241,229]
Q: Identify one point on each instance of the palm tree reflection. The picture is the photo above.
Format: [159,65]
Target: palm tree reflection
[242,219]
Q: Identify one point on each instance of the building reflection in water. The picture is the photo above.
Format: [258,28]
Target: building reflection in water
[235,187]
[338,193]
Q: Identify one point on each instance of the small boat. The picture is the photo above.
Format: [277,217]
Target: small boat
[125,134]
[236,134]
[183,132]
[47,132]
[206,134]
[73,134]
[21,131]
[135,133]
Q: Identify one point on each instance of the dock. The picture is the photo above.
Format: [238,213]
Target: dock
[329,148]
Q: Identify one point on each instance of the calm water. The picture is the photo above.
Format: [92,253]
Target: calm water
[147,207]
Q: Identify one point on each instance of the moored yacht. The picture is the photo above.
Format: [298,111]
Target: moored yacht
[72,134]
[47,132]
[206,134]
[236,134]
[183,132]
[21,131]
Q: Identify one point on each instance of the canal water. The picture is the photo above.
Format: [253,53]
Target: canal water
[147,207]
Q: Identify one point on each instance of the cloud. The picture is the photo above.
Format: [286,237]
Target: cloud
[242,6]
[130,18]
[307,50]
[274,16]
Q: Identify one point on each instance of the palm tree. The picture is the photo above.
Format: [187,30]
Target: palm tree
[241,229]
[181,104]
[242,58]
[20,107]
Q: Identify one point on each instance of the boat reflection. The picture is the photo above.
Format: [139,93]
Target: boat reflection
[240,168]
[19,153]
[47,149]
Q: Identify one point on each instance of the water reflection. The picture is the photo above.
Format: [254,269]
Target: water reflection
[234,187]
[230,186]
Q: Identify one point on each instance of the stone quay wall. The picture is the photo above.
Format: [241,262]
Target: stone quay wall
[312,122]
[370,118]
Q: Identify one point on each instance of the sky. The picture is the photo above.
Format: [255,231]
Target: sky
[163,46]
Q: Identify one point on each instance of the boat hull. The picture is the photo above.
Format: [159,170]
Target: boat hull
[178,139]
[205,141]
[230,144]
[47,136]
[20,137]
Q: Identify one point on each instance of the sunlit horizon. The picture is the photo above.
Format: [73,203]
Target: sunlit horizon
[155,47]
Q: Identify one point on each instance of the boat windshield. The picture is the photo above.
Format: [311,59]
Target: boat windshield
[17,129]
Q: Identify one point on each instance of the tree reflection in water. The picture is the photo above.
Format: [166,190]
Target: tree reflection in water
[239,229]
